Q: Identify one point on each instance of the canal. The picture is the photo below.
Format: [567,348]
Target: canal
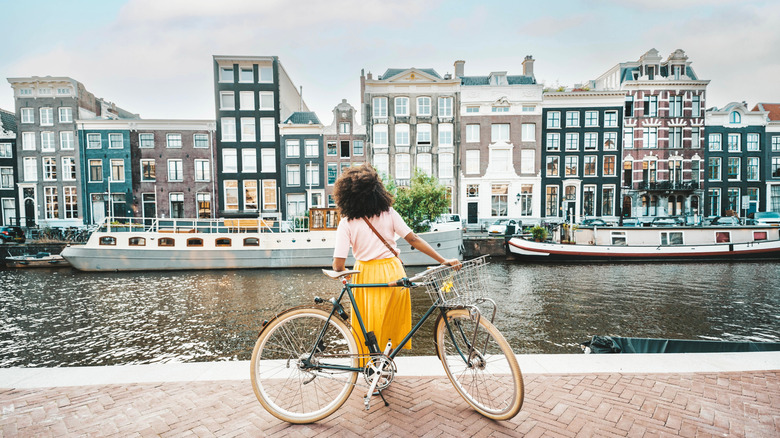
[69,318]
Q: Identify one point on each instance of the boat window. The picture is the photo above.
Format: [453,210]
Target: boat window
[619,238]
[137,241]
[251,241]
[671,238]
[224,241]
[165,241]
[194,242]
[108,240]
[722,237]
[759,235]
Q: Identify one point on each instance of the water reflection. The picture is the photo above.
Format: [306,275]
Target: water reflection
[69,318]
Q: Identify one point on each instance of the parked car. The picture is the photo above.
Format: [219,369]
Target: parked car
[593,222]
[11,234]
[665,222]
[502,226]
[728,221]
[446,222]
[767,218]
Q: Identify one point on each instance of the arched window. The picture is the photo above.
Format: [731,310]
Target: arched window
[646,205]
[108,240]
[735,117]
[223,241]
[251,241]
[194,241]
[165,241]
[137,241]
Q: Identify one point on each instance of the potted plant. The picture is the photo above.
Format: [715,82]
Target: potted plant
[539,233]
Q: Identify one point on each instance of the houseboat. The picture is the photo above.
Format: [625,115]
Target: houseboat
[678,243]
[133,244]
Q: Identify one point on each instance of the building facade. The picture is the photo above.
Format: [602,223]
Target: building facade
[345,145]
[9,202]
[107,181]
[301,163]
[771,167]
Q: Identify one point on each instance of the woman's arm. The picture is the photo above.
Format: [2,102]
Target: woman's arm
[421,245]
[339,263]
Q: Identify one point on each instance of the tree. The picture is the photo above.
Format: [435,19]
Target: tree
[424,200]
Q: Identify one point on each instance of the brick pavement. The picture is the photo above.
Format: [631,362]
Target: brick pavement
[556,405]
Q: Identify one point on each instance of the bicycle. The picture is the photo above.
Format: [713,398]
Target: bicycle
[305,363]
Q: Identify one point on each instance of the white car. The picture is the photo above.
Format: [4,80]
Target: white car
[447,222]
[500,226]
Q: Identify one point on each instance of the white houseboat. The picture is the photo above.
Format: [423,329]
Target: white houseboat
[596,244]
[133,244]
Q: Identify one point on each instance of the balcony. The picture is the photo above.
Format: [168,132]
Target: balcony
[659,186]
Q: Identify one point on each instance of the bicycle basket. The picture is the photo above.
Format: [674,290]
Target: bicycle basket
[453,288]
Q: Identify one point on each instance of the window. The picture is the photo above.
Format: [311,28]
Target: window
[49,169]
[115,141]
[501,160]
[528,131]
[610,141]
[527,160]
[246,75]
[734,143]
[628,138]
[194,241]
[589,165]
[669,238]
[229,160]
[227,100]
[424,134]
[619,238]
[650,137]
[423,106]
[380,136]
[47,141]
[695,172]
[446,165]
[402,166]
[554,119]
[6,151]
[499,199]
[202,170]
[472,133]
[472,162]
[117,170]
[63,91]
[472,109]
[753,168]
[332,149]
[266,75]
[226,74]
[734,117]
[44,91]
[733,168]
[293,175]
[651,106]
[248,129]
[250,195]
[402,134]
[445,107]
[528,108]
[675,106]
[312,174]
[571,165]
[695,138]
[203,204]
[164,241]
[344,128]
[6,178]
[775,170]
[714,168]
[176,205]
[551,202]
[109,240]
[357,147]
[553,141]
[732,199]
[776,143]
[500,109]
[52,205]
[333,172]
[572,119]
[401,106]
[246,100]
[228,129]
[312,146]
[269,194]
[589,201]
[425,163]
[67,141]
[379,107]
[175,171]
[552,166]
[591,141]
[267,132]
[148,170]
[445,135]
[95,170]
[675,137]
[28,115]
[609,165]
[525,199]
[146,140]
[65,114]
[695,106]
[251,241]
[268,161]
[47,116]
[610,119]
[71,202]
[499,132]
[714,140]
[572,141]
[266,100]
[68,169]
[222,241]
[292,148]
[608,201]
[249,160]
[31,169]
[591,118]
[231,195]
[752,142]
[200,140]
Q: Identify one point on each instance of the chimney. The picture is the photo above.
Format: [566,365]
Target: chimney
[528,66]
[459,66]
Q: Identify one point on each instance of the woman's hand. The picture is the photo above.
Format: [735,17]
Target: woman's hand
[455,263]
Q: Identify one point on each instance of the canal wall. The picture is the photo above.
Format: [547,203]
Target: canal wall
[17,249]
[475,246]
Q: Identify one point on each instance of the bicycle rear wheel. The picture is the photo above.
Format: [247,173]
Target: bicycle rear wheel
[489,378]
[287,389]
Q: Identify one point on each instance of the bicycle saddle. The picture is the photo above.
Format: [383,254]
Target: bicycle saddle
[338,274]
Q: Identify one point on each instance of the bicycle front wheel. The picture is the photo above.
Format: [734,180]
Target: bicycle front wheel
[480,364]
[287,387]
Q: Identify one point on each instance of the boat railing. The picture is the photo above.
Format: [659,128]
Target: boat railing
[190,225]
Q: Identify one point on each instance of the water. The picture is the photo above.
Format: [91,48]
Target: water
[69,318]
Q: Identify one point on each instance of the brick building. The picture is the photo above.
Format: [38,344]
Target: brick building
[345,145]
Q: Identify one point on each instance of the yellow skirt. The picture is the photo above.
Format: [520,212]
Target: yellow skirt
[387,311]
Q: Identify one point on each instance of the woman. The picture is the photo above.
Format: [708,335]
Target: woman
[362,199]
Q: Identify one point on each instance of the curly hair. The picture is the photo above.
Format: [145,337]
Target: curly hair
[359,193]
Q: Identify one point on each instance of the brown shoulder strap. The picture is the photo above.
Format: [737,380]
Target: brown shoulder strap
[395,253]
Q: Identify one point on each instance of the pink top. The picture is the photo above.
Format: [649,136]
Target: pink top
[365,244]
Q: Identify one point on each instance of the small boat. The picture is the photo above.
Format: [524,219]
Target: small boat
[614,344]
[135,244]
[673,243]
[39,260]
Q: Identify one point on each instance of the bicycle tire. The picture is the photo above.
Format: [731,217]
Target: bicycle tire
[493,384]
[289,392]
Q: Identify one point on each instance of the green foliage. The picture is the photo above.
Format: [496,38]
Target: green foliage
[539,233]
[424,200]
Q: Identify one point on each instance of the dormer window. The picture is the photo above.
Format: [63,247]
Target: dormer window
[498,78]
[735,117]
[677,71]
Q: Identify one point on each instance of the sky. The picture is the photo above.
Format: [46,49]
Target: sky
[154,57]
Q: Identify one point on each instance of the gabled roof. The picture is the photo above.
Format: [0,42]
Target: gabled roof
[303,118]
[392,72]
[485,80]
[7,121]
[773,108]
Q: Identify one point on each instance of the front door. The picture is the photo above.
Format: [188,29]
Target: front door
[472,215]
[98,209]
[29,212]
